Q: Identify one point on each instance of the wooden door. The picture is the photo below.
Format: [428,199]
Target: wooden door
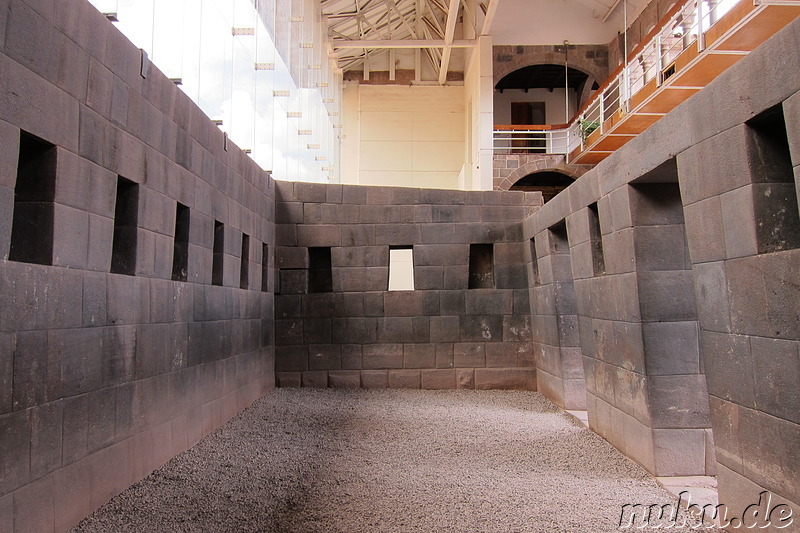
[525,114]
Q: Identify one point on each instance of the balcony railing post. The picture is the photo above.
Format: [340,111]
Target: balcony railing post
[701,38]
[602,111]
[659,61]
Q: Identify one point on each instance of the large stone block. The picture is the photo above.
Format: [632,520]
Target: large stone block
[419,356]
[428,278]
[354,330]
[506,378]
[763,292]
[395,329]
[36,377]
[469,355]
[358,235]
[397,234]
[438,379]
[403,303]
[351,356]
[769,446]
[441,254]
[15,445]
[374,379]
[288,379]
[119,354]
[288,332]
[25,96]
[344,379]
[317,331]
[678,402]
[382,356]
[36,54]
[501,355]
[287,306]
[619,251]
[101,236]
[704,230]
[321,305]
[481,328]
[489,302]
[404,379]
[452,302]
[360,279]
[324,357]
[360,256]
[729,367]
[315,379]
[319,235]
[516,328]
[777,222]
[289,212]
[666,295]
[661,248]
[293,281]
[354,194]
[679,452]
[33,507]
[671,347]
[456,277]
[775,377]
[444,355]
[101,412]
[738,222]
[714,166]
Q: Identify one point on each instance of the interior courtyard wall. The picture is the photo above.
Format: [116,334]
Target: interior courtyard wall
[738,186]
[105,376]
[441,335]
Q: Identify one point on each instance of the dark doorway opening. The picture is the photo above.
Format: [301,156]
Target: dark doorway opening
[549,183]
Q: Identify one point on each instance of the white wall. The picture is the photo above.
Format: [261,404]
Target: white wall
[479,84]
[554,104]
[406,136]
[554,21]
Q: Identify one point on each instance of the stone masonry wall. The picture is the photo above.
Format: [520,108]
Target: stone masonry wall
[685,261]
[442,335]
[105,376]
[589,58]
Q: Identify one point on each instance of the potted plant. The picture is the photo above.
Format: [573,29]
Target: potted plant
[587,127]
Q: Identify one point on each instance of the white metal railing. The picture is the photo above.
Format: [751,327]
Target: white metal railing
[654,61]
[532,141]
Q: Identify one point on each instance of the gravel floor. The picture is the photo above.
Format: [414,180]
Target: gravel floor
[305,460]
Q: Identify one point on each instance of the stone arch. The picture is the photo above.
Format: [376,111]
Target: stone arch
[526,164]
[591,59]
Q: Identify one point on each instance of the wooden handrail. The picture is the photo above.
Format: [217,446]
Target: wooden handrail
[530,127]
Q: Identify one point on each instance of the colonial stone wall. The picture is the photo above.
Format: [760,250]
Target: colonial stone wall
[443,334]
[591,59]
[684,254]
[510,168]
[125,333]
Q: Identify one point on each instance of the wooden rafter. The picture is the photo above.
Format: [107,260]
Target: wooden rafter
[449,34]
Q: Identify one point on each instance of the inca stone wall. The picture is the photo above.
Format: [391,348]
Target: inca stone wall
[116,350]
[661,290]
[442,335]
[679,259]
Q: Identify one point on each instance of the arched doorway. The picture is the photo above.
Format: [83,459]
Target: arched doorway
[548,182]
[540,94]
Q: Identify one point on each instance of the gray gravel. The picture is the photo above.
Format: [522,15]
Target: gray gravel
[385,460]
